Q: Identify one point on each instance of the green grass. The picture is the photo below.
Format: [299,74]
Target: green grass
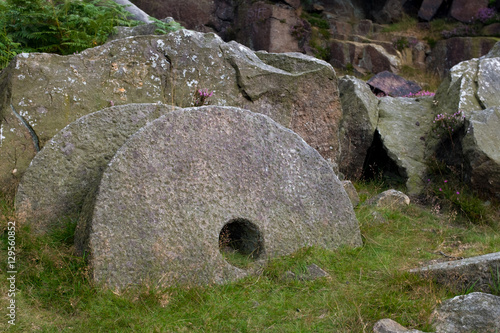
[406,23]
[56,294]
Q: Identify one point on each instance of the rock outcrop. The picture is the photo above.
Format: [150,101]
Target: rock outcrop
[482,153]
[402,126]
[452,51]
[359,122]
[471,87]
[173,188]
[42,93]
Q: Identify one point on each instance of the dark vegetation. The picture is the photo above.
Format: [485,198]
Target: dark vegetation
[60,26]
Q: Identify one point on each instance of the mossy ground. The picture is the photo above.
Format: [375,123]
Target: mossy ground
[55,291]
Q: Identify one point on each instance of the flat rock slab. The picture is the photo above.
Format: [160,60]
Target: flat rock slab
[174,187]
[393,85]
[404,124]
[63,173]
[477,272]
[482,151]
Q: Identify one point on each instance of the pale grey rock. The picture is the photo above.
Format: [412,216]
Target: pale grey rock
[71,163]
[488,82]
[390,326]
[458,90]
[481,150]
[351,192]
[474,312]
[390,199]
[478,272]
[404,124]
[359,122]
[171,188]
[48,91]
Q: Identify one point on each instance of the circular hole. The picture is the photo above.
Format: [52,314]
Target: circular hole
[240,242]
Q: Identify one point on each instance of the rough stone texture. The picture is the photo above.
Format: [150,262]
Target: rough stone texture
[50,91]
[346,8]
[458,90]
[198,15]
[449,52]
[171,188]
[488,82]
[477,272]
[404,124]
[359,122]
[390,199]
[475,312]
[390,326]
[71,163]
[351,192]
[482,151]
[266,26]
[371,57]
[393,85]
[392,11]
[466,10]
[428,9]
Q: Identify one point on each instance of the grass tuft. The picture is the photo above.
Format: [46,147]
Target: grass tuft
[365,284]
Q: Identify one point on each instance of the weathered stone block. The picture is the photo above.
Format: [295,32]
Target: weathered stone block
[42,93]
[482,151]
[175,186]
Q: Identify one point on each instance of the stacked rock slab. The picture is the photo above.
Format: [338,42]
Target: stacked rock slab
[472,87]
[42,93]
[71,164]
[402,125]
[172,187]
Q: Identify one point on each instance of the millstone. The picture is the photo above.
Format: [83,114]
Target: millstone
[71,163]
[182,185]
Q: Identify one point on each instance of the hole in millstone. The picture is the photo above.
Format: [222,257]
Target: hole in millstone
[240,242]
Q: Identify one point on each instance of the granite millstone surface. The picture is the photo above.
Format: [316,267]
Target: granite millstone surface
[71,164]
[171,189]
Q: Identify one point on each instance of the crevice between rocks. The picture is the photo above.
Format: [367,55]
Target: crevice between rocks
[378,164]
[34,136]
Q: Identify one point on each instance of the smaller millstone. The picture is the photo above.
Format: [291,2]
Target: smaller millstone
[71,163]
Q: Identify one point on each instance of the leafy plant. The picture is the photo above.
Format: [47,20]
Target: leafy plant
[61,26]
[445,124]
[201,97]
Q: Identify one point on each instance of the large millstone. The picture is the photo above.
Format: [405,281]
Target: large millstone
[71,164]
[182,182]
